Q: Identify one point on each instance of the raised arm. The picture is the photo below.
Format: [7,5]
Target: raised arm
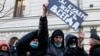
[43,29]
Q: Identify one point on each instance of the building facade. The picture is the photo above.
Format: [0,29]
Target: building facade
[19,17]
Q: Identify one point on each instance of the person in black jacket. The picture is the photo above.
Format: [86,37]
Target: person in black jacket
[94,45]
[56,44]
[74,46]
[12,43]
[35,43]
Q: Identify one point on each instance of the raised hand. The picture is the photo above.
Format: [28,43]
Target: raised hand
[80,39]
[45,9]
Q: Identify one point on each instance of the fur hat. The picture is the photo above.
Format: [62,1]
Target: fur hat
[95,36]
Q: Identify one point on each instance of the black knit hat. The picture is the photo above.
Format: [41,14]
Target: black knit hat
[58,32]
[95,36]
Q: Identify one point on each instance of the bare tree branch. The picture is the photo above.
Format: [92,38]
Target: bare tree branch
[3,6]
[6,14]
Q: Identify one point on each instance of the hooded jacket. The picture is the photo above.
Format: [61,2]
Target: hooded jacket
[41,34]
[71,39]
[73,51]
[52,49]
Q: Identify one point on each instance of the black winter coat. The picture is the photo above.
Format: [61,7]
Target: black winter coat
[23,46]
[73,51]
[95,51]
[13,50]
[5,53]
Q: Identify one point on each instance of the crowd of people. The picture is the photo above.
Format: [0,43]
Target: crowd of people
[38,43]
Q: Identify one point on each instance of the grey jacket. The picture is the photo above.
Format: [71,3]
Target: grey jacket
[54,51]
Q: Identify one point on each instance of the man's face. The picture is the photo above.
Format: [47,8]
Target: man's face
[58,39]
[36,41]
[4,48]
[92,42]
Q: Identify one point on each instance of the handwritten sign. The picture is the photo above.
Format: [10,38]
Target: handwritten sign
[68,12]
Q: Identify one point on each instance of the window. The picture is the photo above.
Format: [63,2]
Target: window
[91,4]
[19,8]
